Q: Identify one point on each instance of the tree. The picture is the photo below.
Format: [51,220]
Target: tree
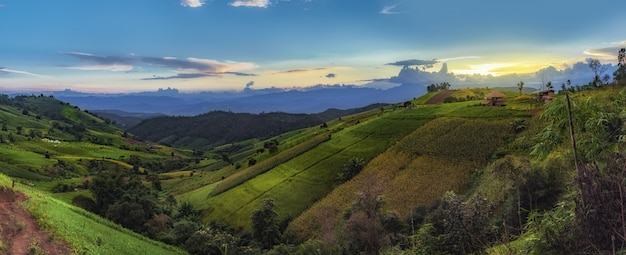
[520,86]
[363,230]
[620,73]
[597,68]
[265,228]
[350,169]
[171,202]
[549,85]
[212,241]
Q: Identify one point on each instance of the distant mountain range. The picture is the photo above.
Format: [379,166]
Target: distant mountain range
[309,100]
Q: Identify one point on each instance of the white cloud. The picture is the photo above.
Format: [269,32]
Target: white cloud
[389,9]
[5,70]
[456,58]
[251,3]
[192,3]
[113,68]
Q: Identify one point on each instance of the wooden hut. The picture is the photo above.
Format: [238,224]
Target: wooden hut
[543,96]
[494,98]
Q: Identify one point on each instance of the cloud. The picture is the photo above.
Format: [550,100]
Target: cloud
[181,76]
[199,65]
[192,3]
[186,68]
[413,62]
[10,71]
[240,74]
[302,70]
[103,60]
[102,63]
[251,3]
[249,84]
[331,75]
[456,58]
[113,68]
[609,53]
[389,9]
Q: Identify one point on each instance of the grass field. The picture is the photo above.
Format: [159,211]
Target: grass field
[298,183]
[437,157]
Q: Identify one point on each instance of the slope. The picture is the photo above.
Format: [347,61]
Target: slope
[307,178]
[87,233]
[437,157]
[219,127]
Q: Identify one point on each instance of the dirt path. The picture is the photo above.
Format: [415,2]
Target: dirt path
[19,231]
[438,99]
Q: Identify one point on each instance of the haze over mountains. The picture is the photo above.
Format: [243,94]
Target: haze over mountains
[410,83]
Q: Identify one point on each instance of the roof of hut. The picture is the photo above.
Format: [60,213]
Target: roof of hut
[496,94]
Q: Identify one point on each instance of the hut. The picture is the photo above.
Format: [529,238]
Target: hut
[543,96]
[494,98]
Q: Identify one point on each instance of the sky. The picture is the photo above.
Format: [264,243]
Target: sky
[205,45]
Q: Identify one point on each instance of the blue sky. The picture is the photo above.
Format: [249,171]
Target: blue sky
[194,45]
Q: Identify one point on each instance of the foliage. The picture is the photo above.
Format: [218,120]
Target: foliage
[462,226]
[601,205]
[438,87]
[620,74]
[598,124]
[265,229]
[350,169]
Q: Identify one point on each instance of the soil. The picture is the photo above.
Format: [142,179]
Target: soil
[20,233]
[438,99]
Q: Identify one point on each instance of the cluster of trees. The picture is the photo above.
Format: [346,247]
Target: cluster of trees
[438,87]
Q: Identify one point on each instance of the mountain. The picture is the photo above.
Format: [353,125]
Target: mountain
[310,100]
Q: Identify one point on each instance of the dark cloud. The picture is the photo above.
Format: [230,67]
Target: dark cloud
[413,62]
[197,75]
[304,70]
[295,71]
[102,60]
[249,84]
[238,73]
[180,63]
[331,75]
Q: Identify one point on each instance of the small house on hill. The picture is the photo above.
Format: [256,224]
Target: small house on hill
[494,98]
[543,96]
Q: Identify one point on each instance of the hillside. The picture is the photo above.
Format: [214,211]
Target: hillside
[437,175]
[217,128]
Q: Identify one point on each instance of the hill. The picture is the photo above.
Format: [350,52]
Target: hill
[450,177]
[216,128]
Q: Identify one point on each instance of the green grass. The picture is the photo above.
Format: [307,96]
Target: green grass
[438,156]
[87,233]
[423,99]
[298,183]
[264,166]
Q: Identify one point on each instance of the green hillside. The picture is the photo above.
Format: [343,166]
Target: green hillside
[447,177]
